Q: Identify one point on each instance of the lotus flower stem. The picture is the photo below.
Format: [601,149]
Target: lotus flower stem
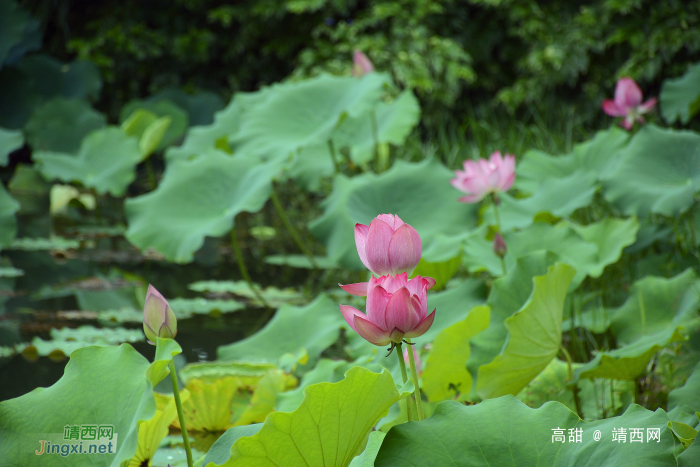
[333,156]
[402,364]
[180,414]
[290,228]
[151,174]
[574,388]
[495,200]
[414,374]
[244,270]
[375,139]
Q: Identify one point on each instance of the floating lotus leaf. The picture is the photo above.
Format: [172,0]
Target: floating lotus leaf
[534,337]
[658,172]
[400,190]
[313,327]
[445,375]
[88,395]
[330,428]
[301,261]
[273,296]
[61,124]
[202,306]
[66,340]
[249,373]
[10,140]
[38,244]
[505,432]
[106,162]
[680,97]
[195,199]
[656,304]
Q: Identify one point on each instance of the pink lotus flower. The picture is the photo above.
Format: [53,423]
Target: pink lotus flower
[158,318]
[397,308]
[628,103]
[416,358]
[485,176]
[361,65]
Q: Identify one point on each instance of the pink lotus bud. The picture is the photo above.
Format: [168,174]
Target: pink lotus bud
[158,318]
[361,65]
[482,177]
[397,308]
[416,358]
[628,103]
[499,245]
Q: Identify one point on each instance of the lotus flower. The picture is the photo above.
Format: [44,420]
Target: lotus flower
[158,318]
[361,65]
[386,246]
[397,308]
[483,177]
[416,359]
[628,103]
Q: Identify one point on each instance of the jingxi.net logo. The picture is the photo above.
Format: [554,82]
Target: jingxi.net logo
[80,439]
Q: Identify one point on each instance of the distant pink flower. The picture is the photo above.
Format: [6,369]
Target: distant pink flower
[416,358]
[628,103]
[361,65]
[483,177]
[499,245]
[397,308]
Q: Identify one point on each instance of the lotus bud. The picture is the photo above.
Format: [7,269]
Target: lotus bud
[361,65]
[158,318]
[499,245]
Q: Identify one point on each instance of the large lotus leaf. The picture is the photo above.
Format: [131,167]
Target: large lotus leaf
[394,122]
[313,328]
[630,361]
[209,405]
[419,193]
[368,456]
[597,155]
[8,223]
[106,162]
[200,140]
[179,120]
[658,172]
[445,375]
[10,140]
[551,385]
[329,429]
[557,196]
[101,386]
[611,236]
[508,295]
[534,337]
[302,113]
[691,456]
[61,124]
[19,32]
[656,304]
[49,77]
[688,394]
[311,165]
[195,199]
[264,398]
[506,432]
[680,97]
[152,432]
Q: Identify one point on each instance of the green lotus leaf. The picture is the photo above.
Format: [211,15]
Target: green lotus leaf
[152,432]
[303,113]
[630,361]
[16,27]
[685,433]
[301,261]
[680,97]
[66,340]
[557,196]
[313,327]
[505,432]
[11,272]
[10,140]
[596,155]
[442,272]
[534,337]
[210,371]
[8,223]
[691,456]
[38,244]
[688,394]
[29,188]
[273,296]
[88,395]
[202,306]
[200,107]
[221,449]
[50,78]
[445,375]
[148,128]
[644,182]
[195,199]
[330,428]
[179,120]
[656,304]
[508,295]
[310,165]
[60,125]
[400,190]
[95,165]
